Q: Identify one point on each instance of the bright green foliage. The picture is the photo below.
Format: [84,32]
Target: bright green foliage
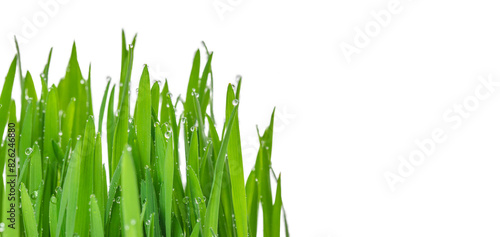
[68,187]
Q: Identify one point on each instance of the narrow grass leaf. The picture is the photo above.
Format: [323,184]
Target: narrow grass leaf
[96,227]
[30,224]
[130,194]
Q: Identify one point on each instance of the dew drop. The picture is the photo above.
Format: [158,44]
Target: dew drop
[34,195]
[235,102]
[28,151]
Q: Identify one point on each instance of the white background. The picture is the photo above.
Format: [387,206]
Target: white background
[342,125]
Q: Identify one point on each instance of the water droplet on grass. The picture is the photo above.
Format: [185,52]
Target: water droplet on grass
[28,151]
[34,195]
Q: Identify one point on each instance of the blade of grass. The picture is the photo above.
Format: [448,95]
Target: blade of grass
[30,223]
[277,210]
[235,161]
[69,198]
[213,203]
[130,202]
[96,228]
[143,119]
[7,94]
[103,105]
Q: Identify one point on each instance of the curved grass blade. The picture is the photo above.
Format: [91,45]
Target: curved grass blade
[155,98]
[196,196]
[99,185]
[213,203]
[120,138]
[103,105]
[6,95]
[30,224]
[115,182]
[110,126]
[196,231]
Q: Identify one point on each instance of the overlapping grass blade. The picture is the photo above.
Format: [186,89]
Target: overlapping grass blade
[130,194]
[30,223]
[213,203]
[96,227]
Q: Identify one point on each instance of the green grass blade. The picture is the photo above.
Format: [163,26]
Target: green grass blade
[168,173]
[148,194]
[53,215]
[68,121]
[45,74]
[213,203]
[25,139]
[35,169]
[235,161]
[86,188]
[193,159]
[96,227]
[252,203]
[192,87]
[51,124]
[155,98]
[6,95]
[196,231]
[143,119]
[99,185]
[30,95]
[130,194]
[30,224]
[113,188]
[110,126]
[264,183]
[69,199]
[277,210]
[197,196]
[103,105]
[120,138]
